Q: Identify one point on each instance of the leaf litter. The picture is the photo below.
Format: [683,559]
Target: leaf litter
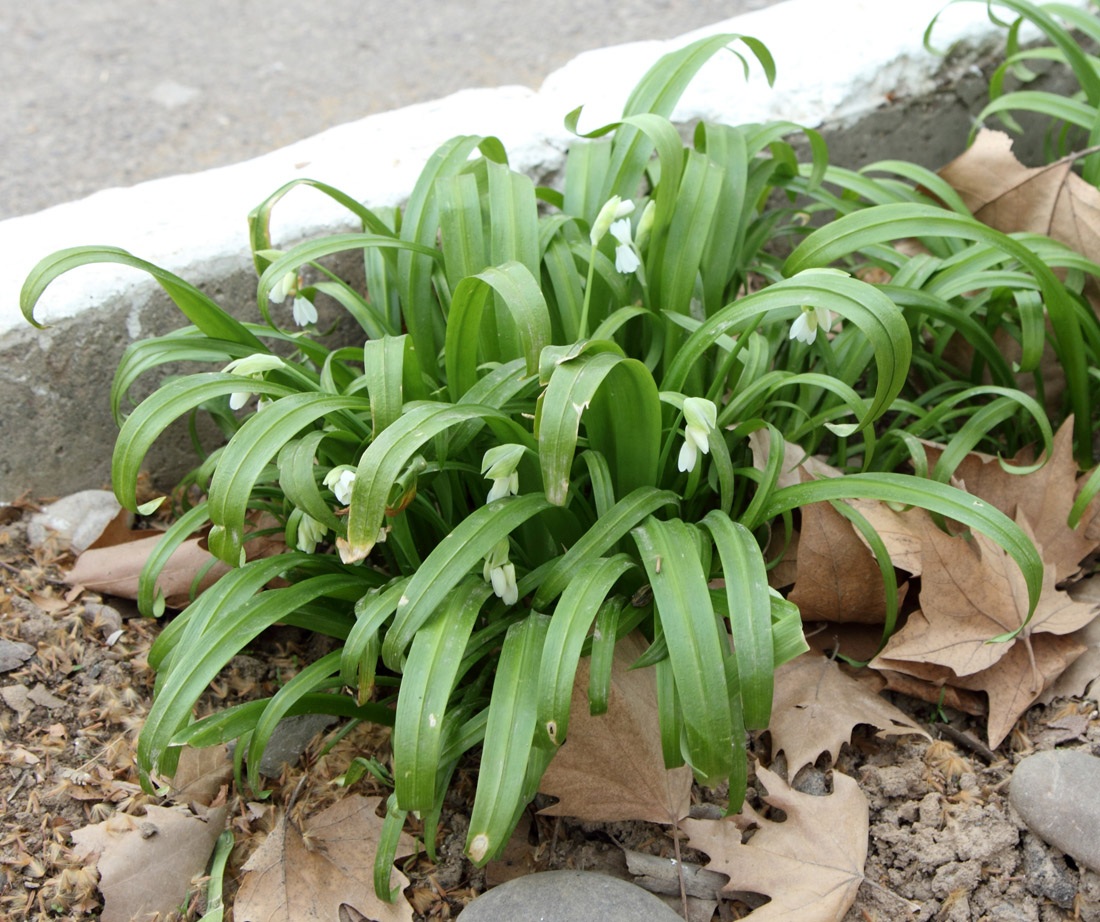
[941,833]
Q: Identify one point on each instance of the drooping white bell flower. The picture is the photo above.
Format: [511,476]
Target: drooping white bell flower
[501,573]
[285,286]
[310,533]
[626,260]
[806,324]
[499,465]
[614,209]
[700,416]
[304,311]
[250,366]
[340,480]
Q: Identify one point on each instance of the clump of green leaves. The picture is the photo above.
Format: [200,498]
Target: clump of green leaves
[545,441]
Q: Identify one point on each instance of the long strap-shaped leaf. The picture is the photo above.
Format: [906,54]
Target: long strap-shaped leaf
[472,539]
[626,430]
[391,369]
[572,618]
[694,645]
[881,223]
[387,456]
[200,310]
[172,707]
[426,686]
[163,407]
[948,501]
[874,313]
[750,614]
[507,747]
[519,292]
[246,455]
[601,537]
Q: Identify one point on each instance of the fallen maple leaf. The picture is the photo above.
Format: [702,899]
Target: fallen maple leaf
[610,767]
[1004,194]
[1078,680]
[1012,684]
[146,864]
[811,864]
[838,578]
[816,706]
[201,774]
[973,591]
[298,876]
[1044,496]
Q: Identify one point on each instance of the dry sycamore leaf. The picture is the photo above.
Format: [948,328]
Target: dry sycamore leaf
[811,864]
[146,864]
[838,578]
[115,570]
[610,767]
[760,443]
[1079,680]
[856,641]
[899,531]
[201,774]
[304,876]
[932,689]
[1044,497]
[972,591]
[816,706]
[1012,684]
[1002,193]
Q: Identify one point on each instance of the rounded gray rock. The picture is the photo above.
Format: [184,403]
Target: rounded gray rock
[1057,794]
[567,896]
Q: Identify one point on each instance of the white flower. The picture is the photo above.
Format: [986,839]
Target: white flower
[340,480]
[304,311]
[501,573]
[251,366]
[310,532]
[701,416]
[626,260]
[499,465]
[287,284]
[613,209]
[806,324]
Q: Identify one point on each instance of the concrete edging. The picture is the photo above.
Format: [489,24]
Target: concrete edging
[875,89]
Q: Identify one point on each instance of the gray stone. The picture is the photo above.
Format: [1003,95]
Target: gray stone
[567,896]
[14,654]
[290,739]
[1046,877]
[1057,794]
[77,519]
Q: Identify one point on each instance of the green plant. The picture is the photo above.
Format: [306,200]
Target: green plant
[547,439]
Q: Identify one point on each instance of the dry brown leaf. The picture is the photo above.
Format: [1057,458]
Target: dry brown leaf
[1003,193]
[811,864]
[1012,684]
[201,774]
[932,689]
[146,864]
[760,444]
[899,531]
[1079,680]
[972,591]
[816,706]
[115,570]
[838,578]
[610,767]
[856,641]
[1044,496]
[302,876]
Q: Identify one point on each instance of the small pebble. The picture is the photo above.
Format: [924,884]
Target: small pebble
[567,896]
[78,520]
[1057,794]
[14,654]
[1046,877]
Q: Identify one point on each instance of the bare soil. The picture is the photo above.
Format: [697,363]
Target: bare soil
[945,843]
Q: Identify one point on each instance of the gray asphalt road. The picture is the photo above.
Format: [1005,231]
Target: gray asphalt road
[101,93]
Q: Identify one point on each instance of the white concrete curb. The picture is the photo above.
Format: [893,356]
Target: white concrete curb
[835,59]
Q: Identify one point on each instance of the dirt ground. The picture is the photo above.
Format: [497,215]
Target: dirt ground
[945,844]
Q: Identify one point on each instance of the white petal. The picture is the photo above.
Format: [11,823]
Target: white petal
[620,230]
[511,591]
[342,487]
[688,455]
[513,483]
[824,318]
[238,399]
[499,580]
[498,489]
[802,330]
[699,437]
[304,312]
[626,260]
